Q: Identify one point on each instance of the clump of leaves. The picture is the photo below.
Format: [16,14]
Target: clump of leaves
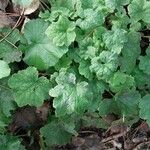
[71,56]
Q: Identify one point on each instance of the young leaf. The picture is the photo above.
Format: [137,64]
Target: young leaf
[84,69]
[40,52]
[28,88]
[4,69]
[104,65]
[121,81]
[61,32]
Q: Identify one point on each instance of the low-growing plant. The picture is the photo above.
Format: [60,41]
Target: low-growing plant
[87,57]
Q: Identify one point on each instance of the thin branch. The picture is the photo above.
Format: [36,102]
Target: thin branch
[9,42]
[13,27]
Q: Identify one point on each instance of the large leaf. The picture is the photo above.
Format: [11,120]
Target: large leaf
[139,10]
[69,96]
[28,88]
[130,52]
[40,52]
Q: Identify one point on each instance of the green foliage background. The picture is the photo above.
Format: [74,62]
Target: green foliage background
[87,48]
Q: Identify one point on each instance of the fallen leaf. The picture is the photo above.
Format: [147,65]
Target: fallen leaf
[3,4]
[5,21]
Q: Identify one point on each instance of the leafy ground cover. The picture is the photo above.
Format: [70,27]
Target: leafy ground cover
[74,74]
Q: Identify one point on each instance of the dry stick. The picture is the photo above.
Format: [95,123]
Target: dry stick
[113,137]
[140,144]
[11,14]
[9,42]
[13,27]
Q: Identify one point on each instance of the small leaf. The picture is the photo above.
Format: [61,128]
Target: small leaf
[145,64]
[115,39]
[121,81]
[4,69]
[55,133]
[104,65]
[8,142]
[144,106]
[8,51]
[61,32]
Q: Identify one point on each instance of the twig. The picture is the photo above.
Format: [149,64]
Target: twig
[140,144]
[144,36]
[13,26]
[9,42]
[113,137]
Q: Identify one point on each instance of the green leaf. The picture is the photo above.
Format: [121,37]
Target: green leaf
[92,19]
[115,39]
[116,4]
[139,10]
[6,98]
[55,133]
[144,106]
[107,106]
[104,65]
[4,69]
[69,96]
[40,51]
[130,52]
[121,81]
[128,102]
[8,142]
[28,88]
[61,32]
[94,121]
[95,90]
[84,69]
[64,62]
[141,79]
[144,64]
[8,51]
